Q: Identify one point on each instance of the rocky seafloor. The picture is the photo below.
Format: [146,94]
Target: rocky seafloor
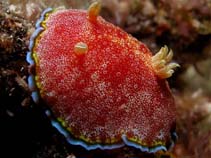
[185,26]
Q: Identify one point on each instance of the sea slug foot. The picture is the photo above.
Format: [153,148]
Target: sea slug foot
[161,63]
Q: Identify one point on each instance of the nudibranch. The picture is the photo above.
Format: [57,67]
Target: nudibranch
[103,87]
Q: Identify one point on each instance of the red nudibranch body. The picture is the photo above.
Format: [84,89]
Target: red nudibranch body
[103,86]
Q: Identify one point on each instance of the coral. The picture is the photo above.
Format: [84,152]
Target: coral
[193,123]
